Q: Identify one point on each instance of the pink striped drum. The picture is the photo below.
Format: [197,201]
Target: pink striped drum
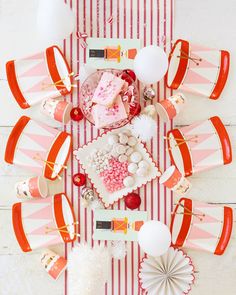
[38,77]
[200,146]
[43,222]
[198,69]
[201,226]
[36,147]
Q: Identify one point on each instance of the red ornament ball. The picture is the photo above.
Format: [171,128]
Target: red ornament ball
[127,78]
[130,73]
[76,114]
[134,109]
[79,179]
[132,201]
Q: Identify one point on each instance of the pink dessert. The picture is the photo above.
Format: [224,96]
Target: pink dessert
[104,116]
[114,176]
[107,90]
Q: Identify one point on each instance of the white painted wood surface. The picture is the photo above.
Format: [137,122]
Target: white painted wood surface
[208,22]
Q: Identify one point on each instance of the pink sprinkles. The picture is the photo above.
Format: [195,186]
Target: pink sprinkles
[114,176]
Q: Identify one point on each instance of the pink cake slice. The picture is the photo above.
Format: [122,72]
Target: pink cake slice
[104,116]
[107,90]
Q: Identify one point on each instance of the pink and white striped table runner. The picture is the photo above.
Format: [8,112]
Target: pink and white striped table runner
[152,22]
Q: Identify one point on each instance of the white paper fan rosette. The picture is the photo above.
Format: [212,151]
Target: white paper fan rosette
[170,274]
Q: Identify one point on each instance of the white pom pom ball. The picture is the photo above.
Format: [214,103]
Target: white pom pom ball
[143,127]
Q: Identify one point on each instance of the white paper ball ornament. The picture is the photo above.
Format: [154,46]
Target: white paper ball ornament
[154,238]
[150,64]
[55,19]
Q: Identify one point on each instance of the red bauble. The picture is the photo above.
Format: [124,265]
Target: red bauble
[134,109]
[130,73]
[79,179]
[132,201]
[127,78]
[76,114]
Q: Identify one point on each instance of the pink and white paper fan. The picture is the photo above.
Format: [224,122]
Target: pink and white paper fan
[169,274]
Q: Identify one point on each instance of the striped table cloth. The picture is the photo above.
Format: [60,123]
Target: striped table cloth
[151,21]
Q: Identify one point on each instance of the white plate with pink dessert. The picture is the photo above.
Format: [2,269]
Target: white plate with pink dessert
[109,99]
[116,163]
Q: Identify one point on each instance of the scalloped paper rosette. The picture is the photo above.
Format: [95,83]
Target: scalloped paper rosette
[170,274]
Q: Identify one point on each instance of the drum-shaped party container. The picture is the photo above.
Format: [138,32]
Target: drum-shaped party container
[40,76]
[200,146]
[198,69]
[43,222]
[201,226]
[35,146]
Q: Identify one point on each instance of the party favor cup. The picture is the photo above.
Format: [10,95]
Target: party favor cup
[34,187]
[173,179]
[57,109]
[168,108]
[53,263]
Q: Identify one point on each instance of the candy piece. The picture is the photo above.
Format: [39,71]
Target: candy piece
[128,181]
[132,168]
[132,141]
[122,158]
[120,149]
[104,116]
[136,157]
[114,153]
[112,139]
[142,171]
[143,164]
[127,132]
[132,201]
[123,139]
[107,90]
[129,151]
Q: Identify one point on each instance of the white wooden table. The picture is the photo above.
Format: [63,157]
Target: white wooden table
[207,22]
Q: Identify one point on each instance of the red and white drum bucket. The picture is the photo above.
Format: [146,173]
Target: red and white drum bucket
[168,108]
[200,146]
[53,263]
[58,110]
[198,69]
[201,226]
[43,222]
[174,180]
[40,76]
[34,187]
[41,149]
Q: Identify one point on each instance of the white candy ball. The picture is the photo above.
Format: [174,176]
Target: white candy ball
[129,151]
[143,164]
[122,158]
[128,181]
[112,139]
[120,149]
[142,171]
[136,157]
[132,168]
[123,139]
[132,141]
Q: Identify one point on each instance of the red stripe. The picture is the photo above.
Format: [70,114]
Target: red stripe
[77,102]
[224,139]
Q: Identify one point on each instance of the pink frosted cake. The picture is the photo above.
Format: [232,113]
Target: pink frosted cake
[104,116]
[107,90]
